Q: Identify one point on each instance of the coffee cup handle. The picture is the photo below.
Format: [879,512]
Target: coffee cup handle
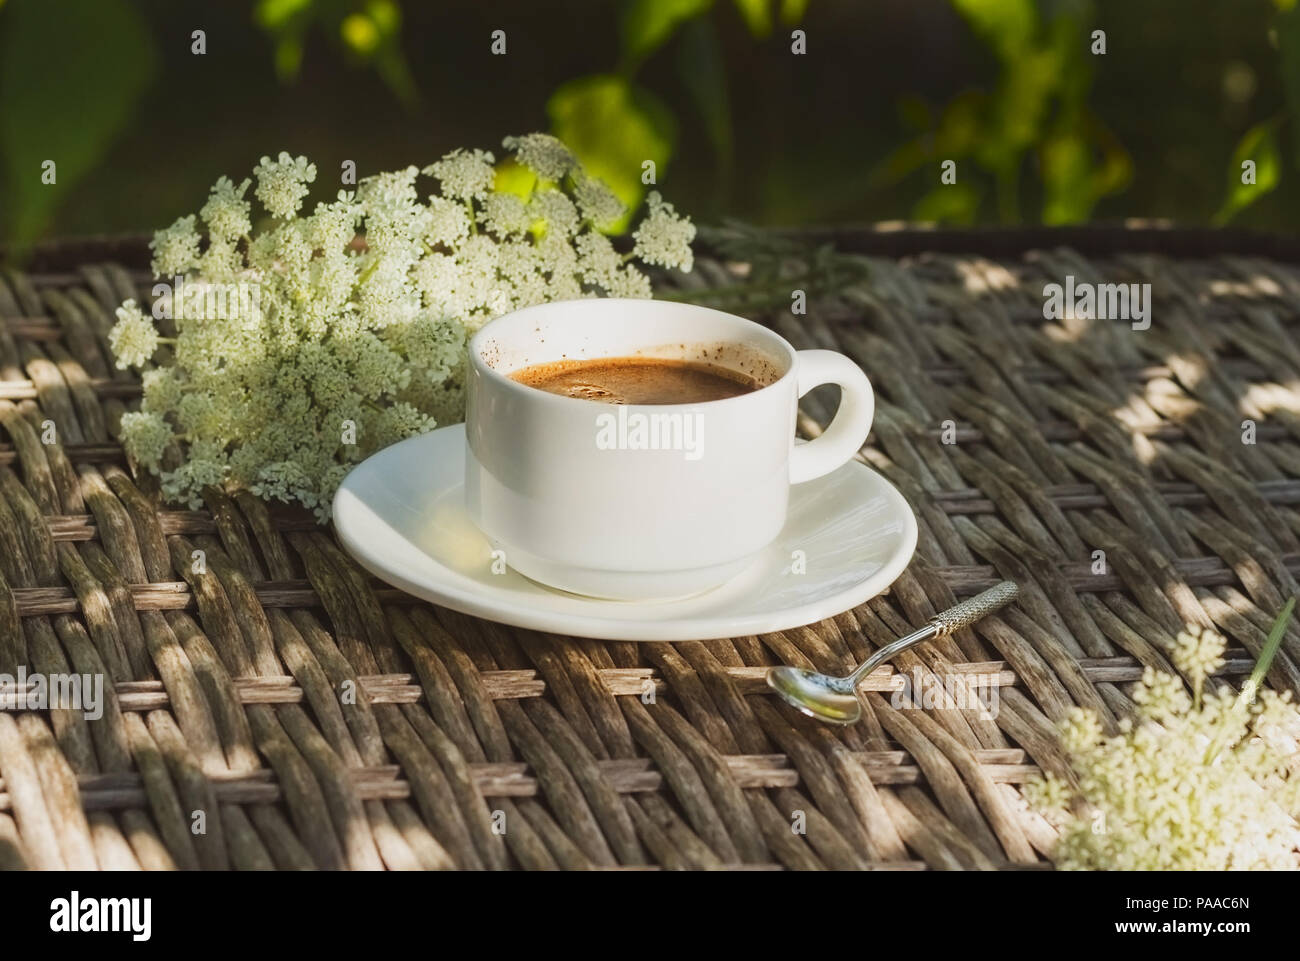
[852,422]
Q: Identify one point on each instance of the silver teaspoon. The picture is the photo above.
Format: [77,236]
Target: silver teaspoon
[835,699]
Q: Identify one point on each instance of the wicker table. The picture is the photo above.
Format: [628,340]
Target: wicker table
[229,739]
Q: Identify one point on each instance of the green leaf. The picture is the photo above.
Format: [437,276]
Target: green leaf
[288,57]
[286,22]
[512,177]
[390,64]
[276,15]
[647,24]
[956,133]
[1115,171]
[792,11]
[369,32]
[69,108]
[1266,654]
[386,14]
[961,125]
[1021,105]
[1259,145]
[1080,163]
[360,34]
[613,128]
[1066,164]
[757,15]
[1006,26]
[948,203]
[373,36]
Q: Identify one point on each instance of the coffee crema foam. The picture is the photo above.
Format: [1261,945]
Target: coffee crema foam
[637,380]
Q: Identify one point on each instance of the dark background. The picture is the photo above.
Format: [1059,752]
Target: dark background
[855,130]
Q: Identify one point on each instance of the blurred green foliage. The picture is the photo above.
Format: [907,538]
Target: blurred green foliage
[706,89]
[1260,142]
[368,32]
[105,61]
[1038,108]
[614,127]
[615,124]
[1259,146]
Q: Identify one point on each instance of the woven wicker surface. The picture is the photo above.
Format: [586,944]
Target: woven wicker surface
[472,745]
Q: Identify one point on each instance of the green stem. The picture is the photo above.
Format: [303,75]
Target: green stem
[1248,690]
[1266,653]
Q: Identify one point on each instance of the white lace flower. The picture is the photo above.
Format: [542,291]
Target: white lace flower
[401,420]
[598,203]
[598,261]
[145,436]
[563,287]
[355,337]
[629,282]
[556,211]
[1182,786]
[664,238]
[282,183]
[162,390]
[448,222]
[557,255]
[1198,652]
[227,212]
[439,277]
[175,248]
[435,344]
[133,338]
[222,262]
[505,215]
[332,226]
[545,155]
[464,174]
[393,188]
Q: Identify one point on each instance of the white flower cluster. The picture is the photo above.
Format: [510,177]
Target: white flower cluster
[1199,782]
[281,184]
[356,336]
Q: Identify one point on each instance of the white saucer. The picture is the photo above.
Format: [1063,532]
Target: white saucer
[401,514]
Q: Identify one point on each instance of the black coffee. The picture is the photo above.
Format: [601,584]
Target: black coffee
[636,380]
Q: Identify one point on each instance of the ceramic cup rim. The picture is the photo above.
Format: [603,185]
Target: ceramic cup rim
[502,380]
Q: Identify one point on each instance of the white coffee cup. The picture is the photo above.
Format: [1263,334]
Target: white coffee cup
[639,502]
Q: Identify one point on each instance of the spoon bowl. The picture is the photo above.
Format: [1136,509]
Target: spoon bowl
[835,699]
[820,697]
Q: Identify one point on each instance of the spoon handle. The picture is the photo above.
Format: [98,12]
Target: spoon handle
[941,625]
[971,610]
